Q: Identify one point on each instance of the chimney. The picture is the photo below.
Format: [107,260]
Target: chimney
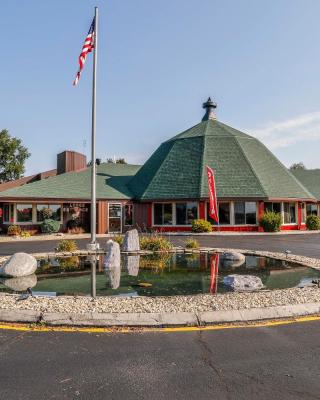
[70,161]
[209,106]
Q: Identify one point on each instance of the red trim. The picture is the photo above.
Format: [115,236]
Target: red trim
[149,221]
[202,210]
[260,213]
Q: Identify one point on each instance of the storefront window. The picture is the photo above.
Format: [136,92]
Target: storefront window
[24,213]
[128,214]
[224,214]
[162,214]
[48,211]
[312,209]
[275,207]
[289,213]
[8,213]
[245,213]
[186,213]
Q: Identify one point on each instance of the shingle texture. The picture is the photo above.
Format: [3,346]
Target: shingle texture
[112,180]
[310,178]
[243,166]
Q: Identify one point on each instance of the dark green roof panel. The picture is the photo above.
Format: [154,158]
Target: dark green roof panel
[309,178]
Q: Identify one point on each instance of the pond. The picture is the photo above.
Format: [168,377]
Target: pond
[155,275]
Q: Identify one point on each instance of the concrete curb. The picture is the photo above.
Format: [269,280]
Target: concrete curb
[160,319]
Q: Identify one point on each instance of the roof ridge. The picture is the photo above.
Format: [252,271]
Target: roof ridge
[250,166]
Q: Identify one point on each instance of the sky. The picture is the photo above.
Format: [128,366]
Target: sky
[158,61]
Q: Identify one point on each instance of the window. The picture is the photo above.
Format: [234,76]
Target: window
[289,213]
[128,214]
[186,213]
[162,214]
[275,207]
[245,213]
[312,209]
[224,214]
[24,213]
[8,213]
[48,211]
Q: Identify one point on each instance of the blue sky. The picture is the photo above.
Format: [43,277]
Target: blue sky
[158,61]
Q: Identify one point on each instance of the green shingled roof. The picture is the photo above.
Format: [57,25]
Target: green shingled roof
[243,166]
[310,178]
[112,182]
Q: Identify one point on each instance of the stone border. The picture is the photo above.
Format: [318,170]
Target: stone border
[163,319]
[160,319]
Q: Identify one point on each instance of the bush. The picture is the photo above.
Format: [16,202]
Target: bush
[270,221]
[25,234]
[155,243]
[192,244]
[118,239]
[50,226]
[67,245]
[14,230]
[313,223]
[201,225]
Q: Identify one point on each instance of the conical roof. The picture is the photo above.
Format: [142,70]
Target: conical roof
[244,167]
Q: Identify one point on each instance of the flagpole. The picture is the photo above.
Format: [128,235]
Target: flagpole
[93,134]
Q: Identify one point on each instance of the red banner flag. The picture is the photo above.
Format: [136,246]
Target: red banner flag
[213,206]
[214,270]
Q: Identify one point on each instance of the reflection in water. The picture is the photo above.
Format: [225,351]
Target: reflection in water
[20,284]
[114,274]
[132,265]
[231,263]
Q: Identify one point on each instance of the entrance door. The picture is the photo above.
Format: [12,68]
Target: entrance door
[115,218]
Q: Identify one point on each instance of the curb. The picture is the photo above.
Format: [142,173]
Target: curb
[160,319]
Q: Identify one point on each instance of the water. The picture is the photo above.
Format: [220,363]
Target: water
[154,275]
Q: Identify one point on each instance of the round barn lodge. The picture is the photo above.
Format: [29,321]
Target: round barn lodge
[170,190]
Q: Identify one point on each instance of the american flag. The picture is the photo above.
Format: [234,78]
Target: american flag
[86,48]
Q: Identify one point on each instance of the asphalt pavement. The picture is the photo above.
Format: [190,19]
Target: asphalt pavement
[300,244]
[280,362]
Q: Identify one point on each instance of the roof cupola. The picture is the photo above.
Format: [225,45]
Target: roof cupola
[209,106]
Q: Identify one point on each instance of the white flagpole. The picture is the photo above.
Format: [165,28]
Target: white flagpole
[93,134]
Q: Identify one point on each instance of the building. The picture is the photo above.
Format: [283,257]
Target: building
[170,189]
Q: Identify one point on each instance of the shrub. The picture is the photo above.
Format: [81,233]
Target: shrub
[155,243]
[118,239]
[201,225]
[50,226]
[313,223]
[192,244]
[270,221]
[46,213]
[67,245]
[14,230]
[71,263]
[25,234]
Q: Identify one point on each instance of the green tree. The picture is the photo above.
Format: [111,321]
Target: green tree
[116,161]
[12,157]
[298,165]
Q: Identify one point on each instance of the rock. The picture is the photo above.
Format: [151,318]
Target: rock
[233,256]
[20,264]
[132,265]
[243,282]
[112,264]
[113,255]
[131,241]
[20,284]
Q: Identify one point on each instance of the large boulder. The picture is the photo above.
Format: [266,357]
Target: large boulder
[233,256]
[131,241]
[243,282]
[20,264]
[132,265]
[112,258]
[20,284]
[112,264]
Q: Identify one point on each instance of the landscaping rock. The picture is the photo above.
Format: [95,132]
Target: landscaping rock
[132,265]
[131,241]
[20,284]
[243,282]
[112,258]
[20,264]
[233,256]
[114,275]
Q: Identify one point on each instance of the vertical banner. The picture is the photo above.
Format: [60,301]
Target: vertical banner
[214,271]
[213,206]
